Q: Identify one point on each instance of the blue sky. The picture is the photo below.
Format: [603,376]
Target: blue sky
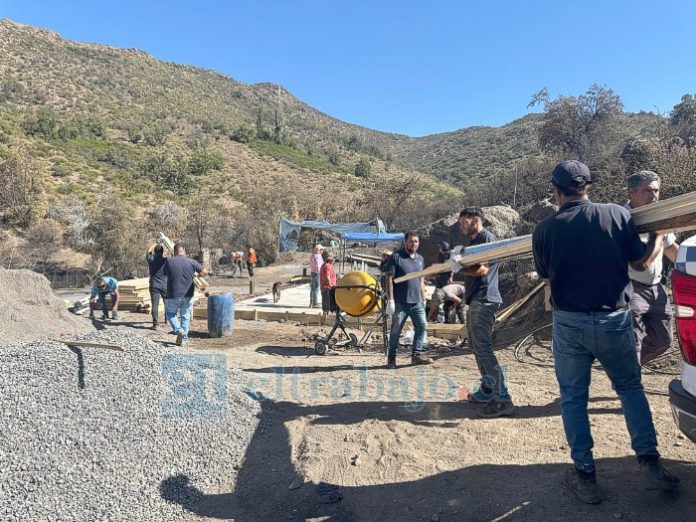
[413,67]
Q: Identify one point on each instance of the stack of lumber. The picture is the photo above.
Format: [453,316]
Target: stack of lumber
[135,294]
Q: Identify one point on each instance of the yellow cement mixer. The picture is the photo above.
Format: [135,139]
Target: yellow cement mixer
[357,294]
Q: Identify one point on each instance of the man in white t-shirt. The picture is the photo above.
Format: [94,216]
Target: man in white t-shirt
[650,306]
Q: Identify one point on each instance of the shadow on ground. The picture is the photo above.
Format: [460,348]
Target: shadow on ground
[482,492]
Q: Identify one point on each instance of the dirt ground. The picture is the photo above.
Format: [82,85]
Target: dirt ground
[401,445]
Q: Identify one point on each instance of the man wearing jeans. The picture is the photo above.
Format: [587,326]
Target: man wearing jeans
[180,271]
[583,251]
[483,299]
[158,281]
[406,299]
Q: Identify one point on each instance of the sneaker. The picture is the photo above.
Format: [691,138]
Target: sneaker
[391,362]
[481,397]
[584,487]
[419,358]
[104,317]
[497,408]
[179,338]
[656,476]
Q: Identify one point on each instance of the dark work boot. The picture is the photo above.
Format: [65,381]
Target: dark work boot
[584,485]
[419,358]
[391,362]
[655,475]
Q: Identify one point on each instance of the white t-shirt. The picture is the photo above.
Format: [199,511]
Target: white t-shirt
[653,274]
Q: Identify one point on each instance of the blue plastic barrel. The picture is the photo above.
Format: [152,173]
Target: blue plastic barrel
[220,314]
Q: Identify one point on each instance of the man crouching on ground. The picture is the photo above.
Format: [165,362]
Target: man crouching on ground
[406,299]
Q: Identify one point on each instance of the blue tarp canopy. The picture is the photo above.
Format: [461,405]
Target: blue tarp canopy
[370,237]
[289,233]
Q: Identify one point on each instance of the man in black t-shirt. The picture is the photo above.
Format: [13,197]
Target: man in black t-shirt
[483,299]
[158,281]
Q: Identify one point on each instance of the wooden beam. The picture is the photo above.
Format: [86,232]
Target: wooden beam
[505,314]
[88,344]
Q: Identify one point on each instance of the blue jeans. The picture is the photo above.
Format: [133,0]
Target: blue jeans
[416,312]
[579,339]
[182,306]
[480,319]
[314,289]
[102,301]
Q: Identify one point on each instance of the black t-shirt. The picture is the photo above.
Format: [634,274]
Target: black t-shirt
[158,281]
[180,271]
[584,250]
[399,264]
[483,288]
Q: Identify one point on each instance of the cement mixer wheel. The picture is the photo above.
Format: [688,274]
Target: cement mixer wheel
[353,339]
[320,347]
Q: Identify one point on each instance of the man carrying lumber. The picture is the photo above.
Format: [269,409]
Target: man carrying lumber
[583,251]
[180,271]
[103,286]
[483,299]
[650,306]
[406,299]
[158,281]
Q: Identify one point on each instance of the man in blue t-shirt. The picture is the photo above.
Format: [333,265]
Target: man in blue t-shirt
[583,251]
[406,299]
[180,271]
[103,286]
[158,281]
[483,299]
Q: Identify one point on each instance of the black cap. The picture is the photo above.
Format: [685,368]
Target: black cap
[444,245]
[571,174]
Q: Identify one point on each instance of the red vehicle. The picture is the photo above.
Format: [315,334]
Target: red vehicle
[682,392]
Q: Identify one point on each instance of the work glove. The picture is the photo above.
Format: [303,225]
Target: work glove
[391,308]
[457,251]
[454,263]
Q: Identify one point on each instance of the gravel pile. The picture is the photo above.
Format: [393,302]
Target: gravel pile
[30,310]
[94,434]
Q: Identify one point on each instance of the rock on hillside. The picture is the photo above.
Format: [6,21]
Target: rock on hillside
[501,220]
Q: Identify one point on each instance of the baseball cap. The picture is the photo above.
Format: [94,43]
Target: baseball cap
[571,174]
[386,252]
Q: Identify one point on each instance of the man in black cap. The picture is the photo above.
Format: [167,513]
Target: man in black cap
[583,251]
[443,278]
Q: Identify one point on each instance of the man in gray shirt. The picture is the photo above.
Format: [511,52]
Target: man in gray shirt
[650,306]
[180,271]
